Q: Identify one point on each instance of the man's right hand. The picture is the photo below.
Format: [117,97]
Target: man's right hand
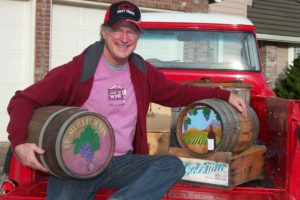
[25,153]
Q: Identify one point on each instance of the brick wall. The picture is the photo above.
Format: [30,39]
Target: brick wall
[3,150]
[269,62]
[274,60]
[197,50]
[42,38]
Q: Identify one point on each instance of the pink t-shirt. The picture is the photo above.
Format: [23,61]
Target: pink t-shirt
[113,96]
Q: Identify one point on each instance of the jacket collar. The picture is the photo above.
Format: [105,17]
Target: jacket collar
[93,54]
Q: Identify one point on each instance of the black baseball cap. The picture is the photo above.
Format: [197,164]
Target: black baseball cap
[123,11]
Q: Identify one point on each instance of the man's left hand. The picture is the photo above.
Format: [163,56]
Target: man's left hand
[238,103]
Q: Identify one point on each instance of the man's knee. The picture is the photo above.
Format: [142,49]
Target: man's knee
[173,164]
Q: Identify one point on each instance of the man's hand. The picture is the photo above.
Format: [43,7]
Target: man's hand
[25,153]
[238,103]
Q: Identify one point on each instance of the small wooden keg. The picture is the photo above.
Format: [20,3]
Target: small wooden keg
[77,143]
[232,132]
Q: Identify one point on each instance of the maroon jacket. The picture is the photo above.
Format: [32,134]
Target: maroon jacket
[71,83]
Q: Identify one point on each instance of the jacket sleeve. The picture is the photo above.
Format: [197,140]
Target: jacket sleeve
[54,89]
[170,93]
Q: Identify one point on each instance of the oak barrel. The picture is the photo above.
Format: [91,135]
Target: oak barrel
[237,87]
[77,143]
[232,132]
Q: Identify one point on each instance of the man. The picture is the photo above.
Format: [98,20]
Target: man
[85,82]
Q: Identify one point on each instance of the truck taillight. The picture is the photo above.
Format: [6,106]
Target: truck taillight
[7,187]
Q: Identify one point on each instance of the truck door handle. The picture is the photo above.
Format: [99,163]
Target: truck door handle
[205,79]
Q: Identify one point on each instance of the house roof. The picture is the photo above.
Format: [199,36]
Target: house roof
[276,17]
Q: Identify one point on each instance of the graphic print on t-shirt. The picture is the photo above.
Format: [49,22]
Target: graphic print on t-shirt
[116,95]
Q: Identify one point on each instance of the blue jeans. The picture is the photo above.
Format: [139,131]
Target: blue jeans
[136,177]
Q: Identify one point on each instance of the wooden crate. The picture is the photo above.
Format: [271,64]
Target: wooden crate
[223,169]
[158,129]
[158,142]
[158,118]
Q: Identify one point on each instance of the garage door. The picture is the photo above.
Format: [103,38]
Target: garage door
[73,29]
[16,68]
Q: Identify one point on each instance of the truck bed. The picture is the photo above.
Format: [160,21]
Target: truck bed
[279,132]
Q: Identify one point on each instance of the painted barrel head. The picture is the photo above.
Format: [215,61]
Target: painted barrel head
[199,129]
[86,146]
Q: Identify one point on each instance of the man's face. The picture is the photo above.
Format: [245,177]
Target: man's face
[120,42]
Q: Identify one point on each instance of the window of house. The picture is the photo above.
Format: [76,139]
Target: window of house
[297,51]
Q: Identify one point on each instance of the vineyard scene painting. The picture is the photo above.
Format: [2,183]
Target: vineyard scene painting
[196,124]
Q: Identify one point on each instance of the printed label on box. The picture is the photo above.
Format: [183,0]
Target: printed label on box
[206,171]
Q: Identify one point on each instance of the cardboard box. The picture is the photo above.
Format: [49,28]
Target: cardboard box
[223,169]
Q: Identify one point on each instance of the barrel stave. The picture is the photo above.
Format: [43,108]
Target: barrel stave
[50,138]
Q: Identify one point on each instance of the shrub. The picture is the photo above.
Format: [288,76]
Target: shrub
[289,87]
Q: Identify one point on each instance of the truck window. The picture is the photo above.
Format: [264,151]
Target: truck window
[189,49]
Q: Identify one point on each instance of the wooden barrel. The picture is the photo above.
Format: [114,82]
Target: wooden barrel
[237,87]
[77,143]
[215,120]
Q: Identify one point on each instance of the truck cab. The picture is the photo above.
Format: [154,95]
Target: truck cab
[216,49]
[211,47]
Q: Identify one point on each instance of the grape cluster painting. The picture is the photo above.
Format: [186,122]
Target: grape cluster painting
[86,151]
[87,143]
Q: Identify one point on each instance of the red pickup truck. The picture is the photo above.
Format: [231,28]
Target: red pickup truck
[213,48]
